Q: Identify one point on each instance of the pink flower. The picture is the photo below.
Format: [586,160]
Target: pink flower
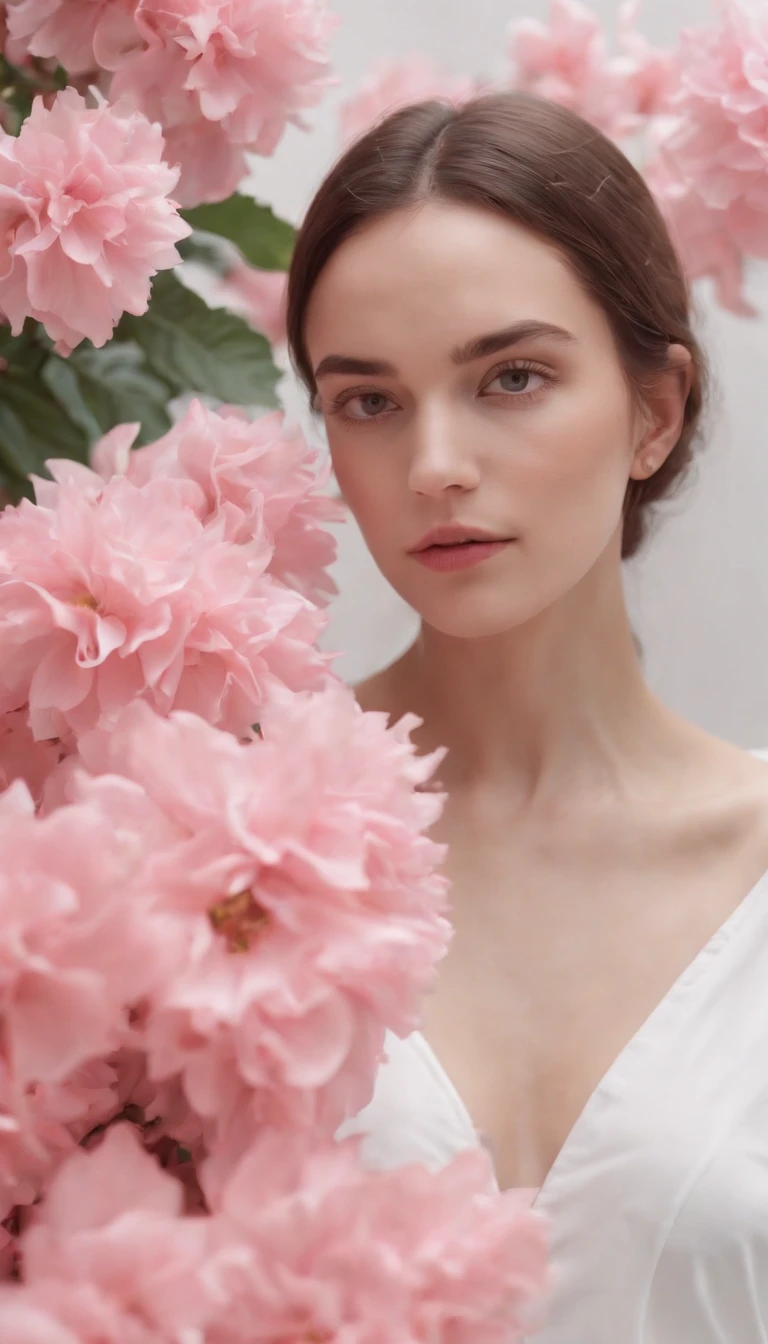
[211,164]
[259,296]
[566,60]
[108,592]
[248,67]
[86,1100]
[81,35]
[718,146]
[41,1124]
[651,73]
[308,914]
[85,218]
[255,478]
[110,1256]
[21,757]
[75,948]
[702,235]
[391,85]
[313,1247]
[78,950]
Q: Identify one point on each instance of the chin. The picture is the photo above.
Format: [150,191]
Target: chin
[477,614]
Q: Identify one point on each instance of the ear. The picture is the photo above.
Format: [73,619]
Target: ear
[664,401]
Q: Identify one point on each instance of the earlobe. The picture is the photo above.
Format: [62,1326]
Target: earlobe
[664,404]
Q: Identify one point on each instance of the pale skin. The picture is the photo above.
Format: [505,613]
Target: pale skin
[597,840]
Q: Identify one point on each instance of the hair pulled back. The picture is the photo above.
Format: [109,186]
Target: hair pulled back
[545,168]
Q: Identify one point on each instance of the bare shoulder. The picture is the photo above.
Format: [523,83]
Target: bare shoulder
[735,790]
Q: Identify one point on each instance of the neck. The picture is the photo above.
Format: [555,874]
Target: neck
[557,704]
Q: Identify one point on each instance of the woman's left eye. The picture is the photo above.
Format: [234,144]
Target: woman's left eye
[518,382]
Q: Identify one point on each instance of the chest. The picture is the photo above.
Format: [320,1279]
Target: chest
[565,944]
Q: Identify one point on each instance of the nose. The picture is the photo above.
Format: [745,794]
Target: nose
[441,458]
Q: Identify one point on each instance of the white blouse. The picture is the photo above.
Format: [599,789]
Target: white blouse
[657,1204]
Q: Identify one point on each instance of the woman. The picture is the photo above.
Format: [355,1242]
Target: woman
[488,312]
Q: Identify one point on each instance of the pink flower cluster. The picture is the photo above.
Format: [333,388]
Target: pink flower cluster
[206,940]
[218,890]
[249,917]
[711,173]
[301,1246]
[303,849]
[220,76]
[166,577]
[567,61]
[85,218]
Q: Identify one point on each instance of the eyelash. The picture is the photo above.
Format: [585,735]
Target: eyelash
[337,405]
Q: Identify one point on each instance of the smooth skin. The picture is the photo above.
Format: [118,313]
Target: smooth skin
[597,840]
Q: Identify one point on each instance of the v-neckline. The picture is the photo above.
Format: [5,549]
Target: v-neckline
[706,954]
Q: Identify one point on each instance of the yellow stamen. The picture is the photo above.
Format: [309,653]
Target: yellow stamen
[85,600]
[239,919]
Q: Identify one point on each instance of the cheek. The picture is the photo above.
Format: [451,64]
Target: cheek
[579,458]
[366,488]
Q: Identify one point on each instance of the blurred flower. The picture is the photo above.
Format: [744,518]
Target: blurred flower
[305,1245]
[566,60]
[21,757]
[109,1256]
[391,85]
[310,1246]
[651,72]
[259,296]
[86,219]
[81,35]
[701,233]
[717,149]
[42,1123]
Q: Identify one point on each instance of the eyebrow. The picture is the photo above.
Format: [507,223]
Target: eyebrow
[479,348]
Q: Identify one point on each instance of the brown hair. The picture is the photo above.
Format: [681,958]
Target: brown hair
[549,170]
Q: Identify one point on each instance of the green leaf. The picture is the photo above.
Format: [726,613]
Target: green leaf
[192,347]
[19,86]
[107,387]
[33,427]
[263,239]
[206,250]
[27,351]
[61,379]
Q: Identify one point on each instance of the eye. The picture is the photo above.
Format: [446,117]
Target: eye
[360,406]
[519,382]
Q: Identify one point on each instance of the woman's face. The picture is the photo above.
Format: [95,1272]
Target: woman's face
[467,380]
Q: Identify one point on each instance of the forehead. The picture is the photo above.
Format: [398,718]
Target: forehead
[443,271]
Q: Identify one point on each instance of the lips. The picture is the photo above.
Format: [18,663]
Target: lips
[448,556]
[457,534]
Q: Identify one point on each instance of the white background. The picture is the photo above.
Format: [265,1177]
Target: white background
[699,592]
